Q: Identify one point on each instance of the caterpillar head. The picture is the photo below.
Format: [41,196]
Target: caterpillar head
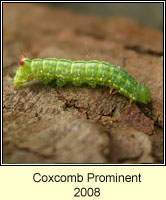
[24,72]
[144,95]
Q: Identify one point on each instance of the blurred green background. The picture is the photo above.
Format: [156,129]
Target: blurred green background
[147,14]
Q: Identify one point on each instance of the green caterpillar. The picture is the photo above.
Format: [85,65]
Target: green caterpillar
[78,72]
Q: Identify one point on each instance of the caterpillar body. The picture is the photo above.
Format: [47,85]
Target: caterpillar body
[78,72]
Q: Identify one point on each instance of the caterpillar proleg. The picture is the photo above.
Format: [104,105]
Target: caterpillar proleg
[79,72]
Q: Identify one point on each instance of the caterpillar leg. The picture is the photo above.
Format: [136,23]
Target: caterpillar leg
[131,101]
[60,82]
[113,91]
[92,84]
[15,87]
[77,83]
[46,80]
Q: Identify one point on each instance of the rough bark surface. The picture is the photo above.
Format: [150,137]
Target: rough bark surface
[47,124]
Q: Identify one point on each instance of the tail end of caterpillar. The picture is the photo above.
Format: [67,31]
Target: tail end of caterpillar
[144,95]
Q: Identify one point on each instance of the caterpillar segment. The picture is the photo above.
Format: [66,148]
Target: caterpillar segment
[79,72]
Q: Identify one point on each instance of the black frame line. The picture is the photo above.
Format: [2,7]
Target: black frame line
[82,164]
